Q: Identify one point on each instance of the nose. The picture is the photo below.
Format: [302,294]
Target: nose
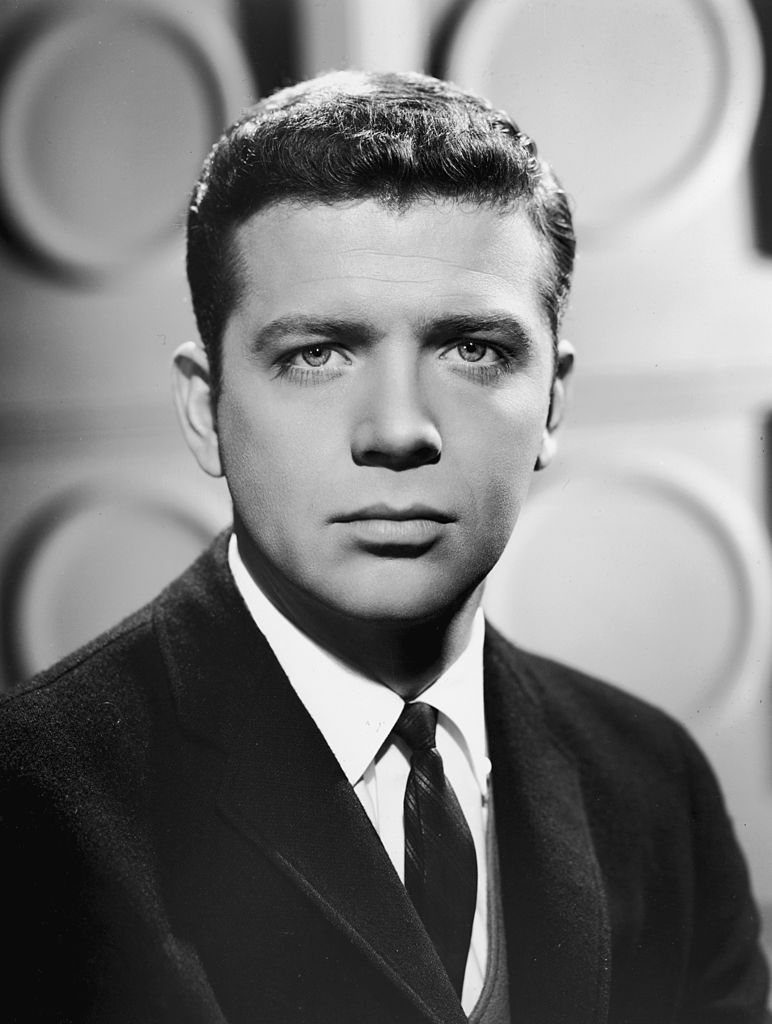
[395,428]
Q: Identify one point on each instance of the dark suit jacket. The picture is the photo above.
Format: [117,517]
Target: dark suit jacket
[180,845]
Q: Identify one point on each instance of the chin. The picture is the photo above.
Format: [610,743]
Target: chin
[402,601]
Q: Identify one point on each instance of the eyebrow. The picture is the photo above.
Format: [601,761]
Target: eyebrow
[311,326]
[503,324]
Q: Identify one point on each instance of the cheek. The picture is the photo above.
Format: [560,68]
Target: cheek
[260,460]
[503,497]
[507,456]
[278,463]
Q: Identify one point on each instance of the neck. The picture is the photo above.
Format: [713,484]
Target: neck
[405,655]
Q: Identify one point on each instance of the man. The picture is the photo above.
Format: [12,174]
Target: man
[308,783]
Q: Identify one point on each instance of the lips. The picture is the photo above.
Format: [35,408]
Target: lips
[384,526]
[389,513]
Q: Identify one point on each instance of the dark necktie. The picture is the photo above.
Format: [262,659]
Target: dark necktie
[440,862]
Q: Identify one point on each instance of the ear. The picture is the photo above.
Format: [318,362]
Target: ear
[194,402]
[565,364]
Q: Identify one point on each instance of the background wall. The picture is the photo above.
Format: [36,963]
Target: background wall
[644,554]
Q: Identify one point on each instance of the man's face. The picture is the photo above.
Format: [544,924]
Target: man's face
[385,395]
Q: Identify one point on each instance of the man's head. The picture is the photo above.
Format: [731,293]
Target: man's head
[397,138]
[379,264]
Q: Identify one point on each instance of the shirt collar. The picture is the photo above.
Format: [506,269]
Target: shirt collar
[356,714]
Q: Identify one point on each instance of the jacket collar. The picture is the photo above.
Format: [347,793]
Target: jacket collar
[230,691]
[282,788]
[555,910]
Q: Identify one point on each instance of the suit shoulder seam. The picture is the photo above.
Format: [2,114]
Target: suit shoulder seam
[50,677]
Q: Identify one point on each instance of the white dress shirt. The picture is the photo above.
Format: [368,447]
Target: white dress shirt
[356,715]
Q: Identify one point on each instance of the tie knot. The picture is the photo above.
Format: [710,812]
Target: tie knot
[416,725]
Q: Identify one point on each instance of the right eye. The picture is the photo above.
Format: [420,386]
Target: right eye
[315,355]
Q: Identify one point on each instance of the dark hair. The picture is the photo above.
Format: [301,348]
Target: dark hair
[348,135]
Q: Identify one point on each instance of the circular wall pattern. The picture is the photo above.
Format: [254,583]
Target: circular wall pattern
[106,111]
[641,107]
[652,575]
[86,559]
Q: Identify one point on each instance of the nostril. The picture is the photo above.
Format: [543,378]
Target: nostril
[393,451]
[391,458]
[429,455]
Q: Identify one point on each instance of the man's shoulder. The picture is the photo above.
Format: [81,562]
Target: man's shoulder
[79,702]
[114,677]
[560,686]
[596,721]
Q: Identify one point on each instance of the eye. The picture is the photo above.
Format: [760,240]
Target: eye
[479,360]
[316,355]
[312,364]
[472,351]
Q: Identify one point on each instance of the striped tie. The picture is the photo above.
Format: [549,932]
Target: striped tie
[440,862]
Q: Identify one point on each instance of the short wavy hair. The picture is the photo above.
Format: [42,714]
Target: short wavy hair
[349,135]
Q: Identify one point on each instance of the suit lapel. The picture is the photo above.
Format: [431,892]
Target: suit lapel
[282,787]
[554,905]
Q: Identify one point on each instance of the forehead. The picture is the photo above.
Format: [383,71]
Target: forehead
[430,255]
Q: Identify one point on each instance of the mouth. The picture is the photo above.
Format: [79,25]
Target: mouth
[396,532]
[390,514]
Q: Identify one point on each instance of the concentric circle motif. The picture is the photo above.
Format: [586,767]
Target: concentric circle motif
[106,111]
[650,573]
[645,108]
[86,558]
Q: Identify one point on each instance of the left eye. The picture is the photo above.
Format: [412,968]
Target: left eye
[316,355]
[472,351]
